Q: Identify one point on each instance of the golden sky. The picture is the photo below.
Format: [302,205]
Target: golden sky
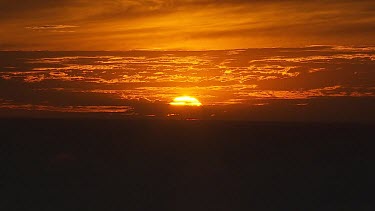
[183,24]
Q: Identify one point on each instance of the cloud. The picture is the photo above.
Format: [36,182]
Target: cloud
[33,79]
[52,28]
[184,24]
[253,84]
[48,27]
[67,109]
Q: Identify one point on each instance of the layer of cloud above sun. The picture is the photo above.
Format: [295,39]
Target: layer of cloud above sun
[256,84]
[183,24]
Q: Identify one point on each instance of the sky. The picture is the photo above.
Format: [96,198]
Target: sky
[263,60]
[183,24]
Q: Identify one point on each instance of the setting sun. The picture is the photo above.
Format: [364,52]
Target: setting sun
[185,101]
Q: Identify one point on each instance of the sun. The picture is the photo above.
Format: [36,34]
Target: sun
[185,101]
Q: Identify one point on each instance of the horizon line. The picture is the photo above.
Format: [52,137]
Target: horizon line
[227,49]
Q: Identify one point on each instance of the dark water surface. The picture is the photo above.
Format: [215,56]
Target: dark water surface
[92,164]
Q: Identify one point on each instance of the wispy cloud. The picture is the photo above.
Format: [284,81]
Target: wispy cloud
[53,28]
[67,109]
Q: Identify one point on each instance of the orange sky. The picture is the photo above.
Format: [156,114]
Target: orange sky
[183,24]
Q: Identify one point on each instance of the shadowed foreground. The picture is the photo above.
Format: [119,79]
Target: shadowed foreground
[185,165]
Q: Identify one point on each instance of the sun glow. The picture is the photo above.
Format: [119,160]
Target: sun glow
[185,101]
